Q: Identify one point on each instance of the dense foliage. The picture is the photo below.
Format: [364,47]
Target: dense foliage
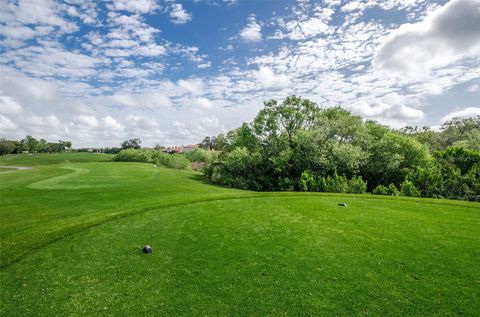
[131,144]
[159,158]
[31,145]
[295,145]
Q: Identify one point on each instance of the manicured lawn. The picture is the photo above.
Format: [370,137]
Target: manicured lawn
[53,158]
[6,169]
[71,237]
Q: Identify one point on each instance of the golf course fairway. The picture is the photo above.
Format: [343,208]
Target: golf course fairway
[73,226]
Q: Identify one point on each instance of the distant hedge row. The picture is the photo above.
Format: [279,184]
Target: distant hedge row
[159,158]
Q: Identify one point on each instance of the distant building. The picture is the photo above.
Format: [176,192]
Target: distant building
[191,147]
[181,149]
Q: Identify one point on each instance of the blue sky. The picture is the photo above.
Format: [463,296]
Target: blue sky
[172,72]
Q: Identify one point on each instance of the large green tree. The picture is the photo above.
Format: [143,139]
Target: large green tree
[6,146]
[134,143]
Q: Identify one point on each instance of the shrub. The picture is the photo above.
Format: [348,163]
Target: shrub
[200,155]
[392,190]
[286,184]
[176,161]
[333,184]
[407,188]
[428,180]
[338,184]
[356,185]
[381,190]
[133,155]
[307,182]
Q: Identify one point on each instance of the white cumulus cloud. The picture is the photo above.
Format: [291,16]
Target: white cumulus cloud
[150,99]
[204,103]
[447,35]
[390,108]
[9,106]
[113,124]
[86,121]
[306,29]
[268,79]
[179,15]
[7,125]
[470,112]
[141,6]
[194,86]
[252,32]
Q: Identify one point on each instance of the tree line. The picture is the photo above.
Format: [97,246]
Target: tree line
[31,145]
[295,145]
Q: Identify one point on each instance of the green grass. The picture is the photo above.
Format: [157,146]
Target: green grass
[6,169]
[71,237]
[53,158]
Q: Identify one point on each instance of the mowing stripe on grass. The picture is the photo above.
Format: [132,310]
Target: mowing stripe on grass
[54,182]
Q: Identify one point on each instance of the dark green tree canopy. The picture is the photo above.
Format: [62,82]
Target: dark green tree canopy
[131,144]
[296,145]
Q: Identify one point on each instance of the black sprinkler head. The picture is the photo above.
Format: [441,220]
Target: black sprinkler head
[147,249]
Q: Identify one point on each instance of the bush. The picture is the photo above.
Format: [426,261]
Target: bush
[333,184]
[201,155]
[381,190]
[238,169]
[307,182]
[132,155]
[286,184]
[391,190]
[176,161]
[408,189]
[356,185]
[428,180]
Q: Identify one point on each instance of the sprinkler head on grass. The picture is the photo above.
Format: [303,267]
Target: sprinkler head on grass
[342,204]
[147,249]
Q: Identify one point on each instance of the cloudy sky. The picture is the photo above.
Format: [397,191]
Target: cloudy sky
[172,72]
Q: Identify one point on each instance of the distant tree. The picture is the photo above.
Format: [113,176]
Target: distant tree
[470,140]
[111,150]
[221,142]
[131,144]
[43,146]
[65,144]
[206,143]
[457,129]
[347,158]
[425,135]
[6,146]
[340,125]
[285,118]
[244,137]
[31,143]
[392,157]
[460,157]
[428,180]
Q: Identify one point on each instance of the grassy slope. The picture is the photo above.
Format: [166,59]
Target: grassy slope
[266,255]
